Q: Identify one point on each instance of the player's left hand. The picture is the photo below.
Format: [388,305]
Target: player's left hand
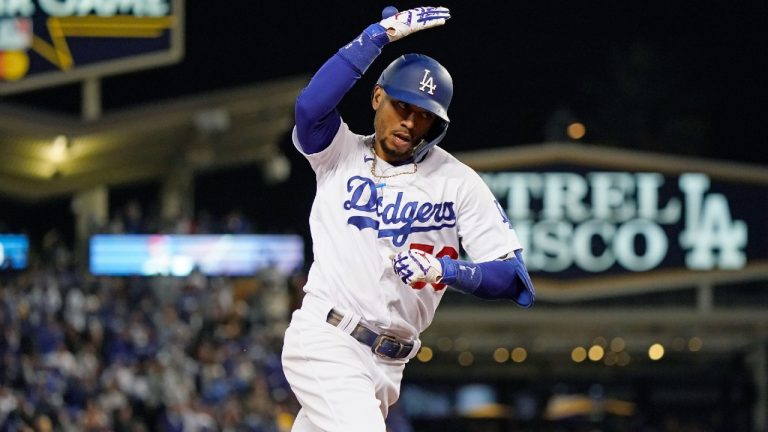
[417,266]
[401,24]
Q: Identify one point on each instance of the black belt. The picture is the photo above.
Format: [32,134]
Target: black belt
[381,344]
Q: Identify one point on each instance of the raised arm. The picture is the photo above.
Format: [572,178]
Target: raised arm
[317,119]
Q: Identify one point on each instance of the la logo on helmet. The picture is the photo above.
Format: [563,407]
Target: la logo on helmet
[427,82]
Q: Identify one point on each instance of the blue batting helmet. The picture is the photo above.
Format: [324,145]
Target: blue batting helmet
[420,80]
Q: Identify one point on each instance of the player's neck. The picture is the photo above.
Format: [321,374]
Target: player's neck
[393,160]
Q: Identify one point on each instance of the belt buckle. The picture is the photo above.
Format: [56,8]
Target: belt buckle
[381,340]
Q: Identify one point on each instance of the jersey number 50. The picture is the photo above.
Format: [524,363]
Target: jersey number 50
[448,251]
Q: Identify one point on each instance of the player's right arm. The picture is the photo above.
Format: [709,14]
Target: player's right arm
[317,119]
[503,278]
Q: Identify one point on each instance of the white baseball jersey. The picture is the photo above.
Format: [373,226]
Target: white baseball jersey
[358,221]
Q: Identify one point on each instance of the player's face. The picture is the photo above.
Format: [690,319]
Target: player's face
[399,126]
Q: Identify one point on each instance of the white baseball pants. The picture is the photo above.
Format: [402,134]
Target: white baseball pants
[341,385]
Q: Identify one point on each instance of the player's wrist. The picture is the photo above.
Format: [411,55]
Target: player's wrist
[377,34]
[450,270]
[462,275]
[363,50]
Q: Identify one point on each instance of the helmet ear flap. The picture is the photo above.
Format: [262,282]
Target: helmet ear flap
[433,138]
[437,129]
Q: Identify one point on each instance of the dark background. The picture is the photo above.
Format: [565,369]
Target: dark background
[683,78]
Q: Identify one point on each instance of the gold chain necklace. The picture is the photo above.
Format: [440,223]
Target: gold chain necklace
[373,168]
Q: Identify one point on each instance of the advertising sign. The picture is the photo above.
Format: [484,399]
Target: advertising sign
[51,42]
[592,219]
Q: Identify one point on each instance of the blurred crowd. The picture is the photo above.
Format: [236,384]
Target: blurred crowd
[79,353]
[85,353]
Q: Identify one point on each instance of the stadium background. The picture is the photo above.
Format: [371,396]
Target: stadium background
[677,79]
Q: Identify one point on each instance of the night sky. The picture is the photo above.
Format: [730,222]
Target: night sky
[686,78]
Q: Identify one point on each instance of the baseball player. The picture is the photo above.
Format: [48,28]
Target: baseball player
[391,211]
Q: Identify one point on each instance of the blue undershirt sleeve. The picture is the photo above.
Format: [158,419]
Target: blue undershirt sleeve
[317,119]
[492,280]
